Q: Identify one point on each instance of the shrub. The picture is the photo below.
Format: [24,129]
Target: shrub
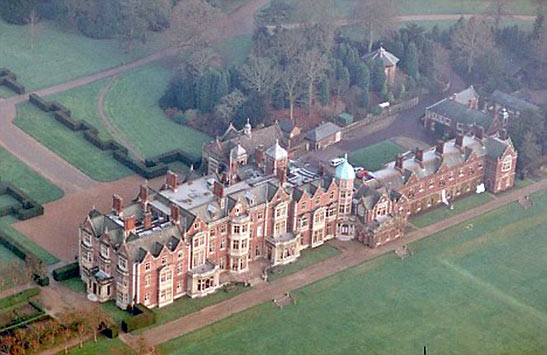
[39,102]
[143,317]
[14,85]
[57,106]
[111,331]
[65,119]
[19,297]
[66,272]
[41,280]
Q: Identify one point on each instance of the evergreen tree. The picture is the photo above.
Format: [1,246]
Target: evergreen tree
[411,60]
[362,76]
[378,75]
[364,99]
[324,90]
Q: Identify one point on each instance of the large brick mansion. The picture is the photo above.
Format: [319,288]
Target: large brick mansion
[181,239]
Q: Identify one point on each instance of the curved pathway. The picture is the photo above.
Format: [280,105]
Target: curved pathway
[69,178]
[108,123]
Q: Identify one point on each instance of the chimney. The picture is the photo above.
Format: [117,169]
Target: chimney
[439,148]
[479,133]
[503,134]
[147,220]
[399,162]
[117,203]
[459,141]
[171,180]
[129,224]
[453,97]
[419,155]
[175,214]
[143,194]
[260,155]
[282,175]
[470,103]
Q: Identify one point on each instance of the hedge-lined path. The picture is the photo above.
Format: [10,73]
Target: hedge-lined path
[348,258]
[108,123]
[16,289]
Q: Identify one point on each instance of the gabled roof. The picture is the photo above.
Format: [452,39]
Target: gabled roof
[323,131]
[388,58]
[461,113]
[276,151]
[464,96]
[512,102]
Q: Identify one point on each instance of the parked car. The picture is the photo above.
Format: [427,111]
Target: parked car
[336,161]
[357,169]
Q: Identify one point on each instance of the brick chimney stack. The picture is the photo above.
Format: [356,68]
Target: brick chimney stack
[147,220]
[175,214]
[419,155]
[479,133]
[503,134]
[117,204]
[259,152]
[129,224]
[439,148]
[171,180]
[459,141]
[218,192]
[399,162]
[143,195]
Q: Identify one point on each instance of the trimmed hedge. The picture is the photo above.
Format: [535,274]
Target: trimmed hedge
[12,84]
[29,207]
[150,168]
[143,317]
[66,272]
[111,331]
[41,280]
[19,297]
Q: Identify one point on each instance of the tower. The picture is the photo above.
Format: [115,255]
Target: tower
[345,175]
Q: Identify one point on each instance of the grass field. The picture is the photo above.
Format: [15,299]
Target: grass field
[59,54]
[12,269]
[375,156]
[234,51]
[41,253]
[443,212]
[27,180]
[103,346]
[307,257]
[132,106]
[476,288]
[82,102]
[71,146]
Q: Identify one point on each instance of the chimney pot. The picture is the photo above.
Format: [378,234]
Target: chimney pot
[419,155]
[439,149]
[172,180]
[129,224]
[175,214]
[117,204]
[459,141]
[143,193]
[399,162]
[147,220]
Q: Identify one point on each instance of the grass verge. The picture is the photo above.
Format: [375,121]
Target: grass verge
[375,156]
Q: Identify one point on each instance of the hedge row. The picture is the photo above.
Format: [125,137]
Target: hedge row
[17,322]
[143,318]
[111,331]
[149,169]
[29,207]
[66,272]
[19,297]
[12,84]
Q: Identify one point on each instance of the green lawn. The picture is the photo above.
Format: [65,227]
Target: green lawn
[307,258]
[132,106]
[443,212]
[27,180]
[60,54]
[12,269]
[476,288]
[375,156]
[82,102]
[103,346]
[5,92]
[234,51]
[41,253]
[71,146]
[7,200]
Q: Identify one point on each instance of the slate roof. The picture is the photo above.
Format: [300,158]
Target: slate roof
[323,131]
[388,58]
[512,102]
[461,113]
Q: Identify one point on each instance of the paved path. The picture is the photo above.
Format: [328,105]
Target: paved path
[352,256]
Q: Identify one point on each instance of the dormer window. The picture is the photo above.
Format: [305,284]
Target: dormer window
[87,239]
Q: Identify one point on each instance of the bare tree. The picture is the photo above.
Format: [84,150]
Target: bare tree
[472,39]
[259,74]
[313,64]
[200,60]
[376,16]
[441,64]
[193,24]
[229,104]
[291,79]
[498,9]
